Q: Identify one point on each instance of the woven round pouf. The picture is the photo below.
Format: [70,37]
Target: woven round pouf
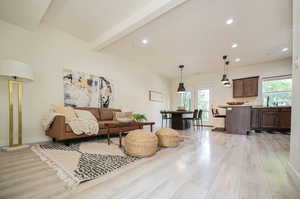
[168,137]
[141,143]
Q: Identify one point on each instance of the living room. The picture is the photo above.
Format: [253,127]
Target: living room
[140,54]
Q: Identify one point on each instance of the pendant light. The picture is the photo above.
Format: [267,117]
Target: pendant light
[227,83]
[181,88]
[224,77]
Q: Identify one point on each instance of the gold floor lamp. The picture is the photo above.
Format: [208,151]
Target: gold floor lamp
[16,72]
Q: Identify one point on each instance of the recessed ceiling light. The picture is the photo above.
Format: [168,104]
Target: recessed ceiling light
[229,21]
[145,41]
[237,60]
[284,49]
[234,45]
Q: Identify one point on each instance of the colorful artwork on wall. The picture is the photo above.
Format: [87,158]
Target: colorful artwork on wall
[86,90]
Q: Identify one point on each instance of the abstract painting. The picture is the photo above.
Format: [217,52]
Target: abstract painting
[86,90]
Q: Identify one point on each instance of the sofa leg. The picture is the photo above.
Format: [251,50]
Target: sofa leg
[108,138]
[120,139]
[53,140]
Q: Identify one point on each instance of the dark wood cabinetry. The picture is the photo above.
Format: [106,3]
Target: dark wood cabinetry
[238,88]
[270,119]
[273,118]
[285,118]
[255,119]
[246,87]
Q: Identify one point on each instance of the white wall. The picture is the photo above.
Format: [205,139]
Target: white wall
[49,51]
[220,94]
[295,137]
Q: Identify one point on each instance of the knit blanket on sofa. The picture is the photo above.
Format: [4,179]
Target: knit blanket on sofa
[79,125]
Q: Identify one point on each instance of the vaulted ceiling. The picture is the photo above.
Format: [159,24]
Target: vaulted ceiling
[196,34]
[27,14]
[89,19]
[189,32]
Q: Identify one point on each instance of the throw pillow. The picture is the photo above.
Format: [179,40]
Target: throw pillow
[124,117]
[68,112]
[85,115]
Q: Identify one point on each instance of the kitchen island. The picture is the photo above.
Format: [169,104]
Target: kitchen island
[241,119]
[238,119]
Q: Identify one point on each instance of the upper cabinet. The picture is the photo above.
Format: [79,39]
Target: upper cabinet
[245,87]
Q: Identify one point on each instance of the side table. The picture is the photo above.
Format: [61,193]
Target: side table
[147,124]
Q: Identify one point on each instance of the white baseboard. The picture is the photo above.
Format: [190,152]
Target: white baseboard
[295,175]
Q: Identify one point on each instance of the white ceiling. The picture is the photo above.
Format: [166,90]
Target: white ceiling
[195,34]
[87,19]
[189,32]
[27,14]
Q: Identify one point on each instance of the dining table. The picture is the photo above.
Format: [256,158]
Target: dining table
[177,119]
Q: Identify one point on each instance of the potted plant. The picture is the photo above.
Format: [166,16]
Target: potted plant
[139,117]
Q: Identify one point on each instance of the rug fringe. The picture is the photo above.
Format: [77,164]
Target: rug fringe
[61,173]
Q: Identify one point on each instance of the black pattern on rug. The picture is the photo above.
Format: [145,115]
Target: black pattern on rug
[62,147]
[91,166]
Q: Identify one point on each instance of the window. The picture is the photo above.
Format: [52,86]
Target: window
[203,103]
[186,100]
[278,91]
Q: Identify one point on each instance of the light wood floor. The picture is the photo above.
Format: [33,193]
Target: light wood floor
[209,165]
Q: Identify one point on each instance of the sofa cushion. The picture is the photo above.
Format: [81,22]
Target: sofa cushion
[107,113]
[123,117]
[94,111]
[112,123]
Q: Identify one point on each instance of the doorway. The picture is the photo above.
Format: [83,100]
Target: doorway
[203,103]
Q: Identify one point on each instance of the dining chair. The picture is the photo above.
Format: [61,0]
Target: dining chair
[217,115]
[165,117]
[193,119]
[199,118]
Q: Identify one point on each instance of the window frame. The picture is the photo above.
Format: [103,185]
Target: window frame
[181,101]
[274,78]
[209,102]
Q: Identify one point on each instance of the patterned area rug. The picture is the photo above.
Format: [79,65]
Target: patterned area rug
[85,161]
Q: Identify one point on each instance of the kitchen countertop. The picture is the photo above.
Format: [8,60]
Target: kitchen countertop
[253,106]
[270,107]
[232,106]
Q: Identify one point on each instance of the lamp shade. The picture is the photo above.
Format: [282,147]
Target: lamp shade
[224,79]
[16,69]
[227,84]
[181,88]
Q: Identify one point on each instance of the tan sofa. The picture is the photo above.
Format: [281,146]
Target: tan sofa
[59,130]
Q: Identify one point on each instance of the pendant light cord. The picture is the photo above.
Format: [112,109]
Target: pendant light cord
[227,66]
[180,75]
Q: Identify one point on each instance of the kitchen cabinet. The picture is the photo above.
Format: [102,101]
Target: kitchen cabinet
[271,118]
[255,118]
[285,118]
[238,88]
[245,87]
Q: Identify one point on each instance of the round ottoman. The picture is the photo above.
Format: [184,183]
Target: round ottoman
[141,143]
[168,137]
